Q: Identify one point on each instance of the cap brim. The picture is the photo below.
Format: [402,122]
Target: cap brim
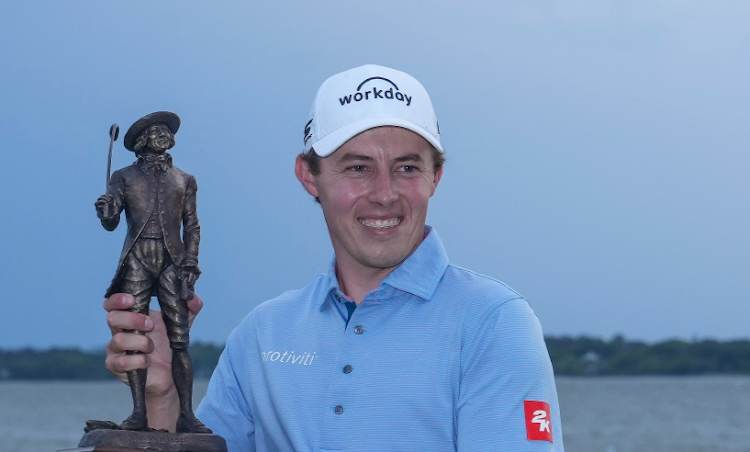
[329,143]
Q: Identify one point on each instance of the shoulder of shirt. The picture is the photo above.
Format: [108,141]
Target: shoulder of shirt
[486,306]
[477,291]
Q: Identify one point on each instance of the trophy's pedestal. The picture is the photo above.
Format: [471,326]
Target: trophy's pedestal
[127,441]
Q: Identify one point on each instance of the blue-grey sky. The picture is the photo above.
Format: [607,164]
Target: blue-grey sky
[598,152]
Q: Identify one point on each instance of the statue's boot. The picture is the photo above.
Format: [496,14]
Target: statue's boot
[191,424]
[138,420]
[135,422]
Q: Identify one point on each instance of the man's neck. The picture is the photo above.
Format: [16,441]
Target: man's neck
[356,281]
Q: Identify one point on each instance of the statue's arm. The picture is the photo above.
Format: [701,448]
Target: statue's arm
[110,205]
[191,230]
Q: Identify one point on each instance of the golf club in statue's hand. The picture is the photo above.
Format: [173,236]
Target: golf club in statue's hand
[114,132]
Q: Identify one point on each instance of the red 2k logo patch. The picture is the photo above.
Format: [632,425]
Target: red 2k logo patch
[538,421]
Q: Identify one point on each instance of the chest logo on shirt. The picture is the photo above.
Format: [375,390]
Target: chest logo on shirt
[538,421]
[288,357]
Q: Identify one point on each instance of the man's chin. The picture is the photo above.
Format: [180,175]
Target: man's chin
[384,261]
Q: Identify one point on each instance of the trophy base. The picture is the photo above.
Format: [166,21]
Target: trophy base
[127,441]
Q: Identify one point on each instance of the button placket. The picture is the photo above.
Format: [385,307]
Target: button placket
[341,396]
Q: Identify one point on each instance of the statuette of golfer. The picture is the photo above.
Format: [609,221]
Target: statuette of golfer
[160,254]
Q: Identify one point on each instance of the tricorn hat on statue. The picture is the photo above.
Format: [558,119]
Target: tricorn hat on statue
[160,117]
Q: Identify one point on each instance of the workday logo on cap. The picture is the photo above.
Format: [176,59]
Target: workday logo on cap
[374,93]
[364,98]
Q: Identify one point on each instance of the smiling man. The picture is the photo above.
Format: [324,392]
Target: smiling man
[393,348]
[374,192]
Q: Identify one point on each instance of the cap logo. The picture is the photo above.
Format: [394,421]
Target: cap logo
[375,93]
[308,135]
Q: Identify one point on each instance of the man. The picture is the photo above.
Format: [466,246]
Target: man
[158,199]
[393,348]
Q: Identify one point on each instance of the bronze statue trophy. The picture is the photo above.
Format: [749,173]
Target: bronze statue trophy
[159,201]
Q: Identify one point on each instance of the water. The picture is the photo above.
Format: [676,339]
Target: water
[623,414]
[656,414]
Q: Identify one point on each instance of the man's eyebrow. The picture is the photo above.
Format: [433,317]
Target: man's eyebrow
[410,158]
[350,157]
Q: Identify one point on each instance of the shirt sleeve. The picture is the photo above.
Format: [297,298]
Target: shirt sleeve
[508,400]
[224,409]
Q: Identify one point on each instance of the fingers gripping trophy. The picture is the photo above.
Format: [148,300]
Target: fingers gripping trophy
[159,200]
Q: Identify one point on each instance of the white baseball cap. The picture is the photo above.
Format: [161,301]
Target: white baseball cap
[366,97]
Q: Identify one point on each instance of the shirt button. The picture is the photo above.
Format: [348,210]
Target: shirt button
[339,409]
[347,369]
[359,329]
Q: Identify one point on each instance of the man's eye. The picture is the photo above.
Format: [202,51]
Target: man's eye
[409,169]
[358,168]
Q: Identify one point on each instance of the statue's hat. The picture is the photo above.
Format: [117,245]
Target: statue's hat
[159,117]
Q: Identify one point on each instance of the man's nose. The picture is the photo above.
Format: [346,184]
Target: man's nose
[383,190]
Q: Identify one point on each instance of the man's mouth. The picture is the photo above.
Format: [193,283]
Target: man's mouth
[381,224]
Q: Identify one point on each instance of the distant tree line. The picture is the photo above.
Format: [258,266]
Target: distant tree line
[75,364]
[570,356]
[588,356]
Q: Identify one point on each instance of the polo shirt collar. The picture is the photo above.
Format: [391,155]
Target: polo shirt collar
[418,275]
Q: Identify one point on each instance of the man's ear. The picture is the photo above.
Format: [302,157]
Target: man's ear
[436,179]
[305,176]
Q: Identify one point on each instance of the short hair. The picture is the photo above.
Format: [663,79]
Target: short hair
[142,139]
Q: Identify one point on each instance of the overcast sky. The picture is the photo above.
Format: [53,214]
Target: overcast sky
[598,152]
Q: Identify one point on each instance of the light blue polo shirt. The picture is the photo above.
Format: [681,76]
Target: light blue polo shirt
[437,358]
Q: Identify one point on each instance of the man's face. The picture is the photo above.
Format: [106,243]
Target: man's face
[159,138]
[374,191]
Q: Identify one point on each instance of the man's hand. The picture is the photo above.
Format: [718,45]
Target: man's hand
[133,332]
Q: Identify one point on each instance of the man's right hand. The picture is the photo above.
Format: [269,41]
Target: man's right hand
[134,332]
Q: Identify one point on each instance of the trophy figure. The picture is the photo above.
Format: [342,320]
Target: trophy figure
[159,258]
